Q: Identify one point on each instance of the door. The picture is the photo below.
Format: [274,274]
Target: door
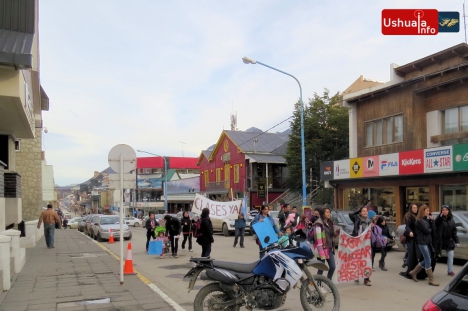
[227,176]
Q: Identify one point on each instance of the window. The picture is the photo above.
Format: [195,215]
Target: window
[385,131]
[207,177]
[236,173]
[218,175]
[17,145]
[455,120]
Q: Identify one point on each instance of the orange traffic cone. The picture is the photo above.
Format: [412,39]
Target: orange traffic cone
[111,237]
[128,268]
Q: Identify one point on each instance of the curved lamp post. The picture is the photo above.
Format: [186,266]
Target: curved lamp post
[165,177]
[247,60]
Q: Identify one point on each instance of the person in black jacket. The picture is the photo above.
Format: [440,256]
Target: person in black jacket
[205,239]
[383,250]
[410,235]
[173,229]
[150,225]
[446,236]
[283,215]
[187,229]
[425,228]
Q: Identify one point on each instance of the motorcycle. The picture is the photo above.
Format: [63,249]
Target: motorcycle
[263,284]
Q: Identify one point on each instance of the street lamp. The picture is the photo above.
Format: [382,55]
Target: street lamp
[165,176]
[247,60]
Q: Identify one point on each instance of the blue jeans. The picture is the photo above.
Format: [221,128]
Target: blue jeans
[426,263]
[239,233]
[331,266]
[450,260]
[49,232]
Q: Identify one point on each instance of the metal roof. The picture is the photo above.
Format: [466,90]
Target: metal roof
[265,158]
[18,15]
[16,48]
[259,142]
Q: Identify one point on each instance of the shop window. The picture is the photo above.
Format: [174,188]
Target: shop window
[384,131]
[207,177]
[236,173]
[455,196]
[218,176]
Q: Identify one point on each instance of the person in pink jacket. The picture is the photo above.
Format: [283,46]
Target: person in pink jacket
[323,242]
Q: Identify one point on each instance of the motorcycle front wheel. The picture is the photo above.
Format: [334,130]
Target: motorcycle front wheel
[210,297]
[310,298]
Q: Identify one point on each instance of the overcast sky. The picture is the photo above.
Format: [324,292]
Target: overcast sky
[164,76]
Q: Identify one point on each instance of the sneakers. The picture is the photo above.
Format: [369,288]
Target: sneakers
[356,282]
[175,255]
[242,246]
[161,256]
[451,273]
[190,250]
[367,283]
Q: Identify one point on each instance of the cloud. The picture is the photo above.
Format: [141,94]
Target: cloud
[153,73]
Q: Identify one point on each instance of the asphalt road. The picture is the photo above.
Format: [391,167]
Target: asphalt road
[389,290]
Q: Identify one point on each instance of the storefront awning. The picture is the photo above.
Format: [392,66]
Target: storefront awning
[16,49]
[266,158]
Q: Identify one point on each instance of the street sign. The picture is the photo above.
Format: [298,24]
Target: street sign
[129,181]
[129,158]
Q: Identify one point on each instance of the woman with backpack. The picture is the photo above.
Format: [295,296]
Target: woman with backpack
[205,233]
[323,236]
[379,242]
[187,230]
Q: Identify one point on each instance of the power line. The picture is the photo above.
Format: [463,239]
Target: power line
[265,131]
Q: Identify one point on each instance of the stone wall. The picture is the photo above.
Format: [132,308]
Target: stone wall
[29,166]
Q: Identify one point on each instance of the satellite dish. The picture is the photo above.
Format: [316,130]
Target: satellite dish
[129,157]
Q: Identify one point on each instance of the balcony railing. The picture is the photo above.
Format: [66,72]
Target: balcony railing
[274,183]
[219,185]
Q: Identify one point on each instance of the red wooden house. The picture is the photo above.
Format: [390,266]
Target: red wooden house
[249,164]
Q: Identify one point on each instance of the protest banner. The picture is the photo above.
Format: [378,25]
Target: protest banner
[354,258]
[220,210]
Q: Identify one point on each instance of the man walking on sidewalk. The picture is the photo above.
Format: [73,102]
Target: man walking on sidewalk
[50,218]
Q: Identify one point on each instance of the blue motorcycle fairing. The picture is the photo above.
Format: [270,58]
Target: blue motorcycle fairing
[303,251]
[266,267]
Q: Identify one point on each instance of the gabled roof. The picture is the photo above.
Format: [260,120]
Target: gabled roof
[251,142]
[258,142]
[204,153]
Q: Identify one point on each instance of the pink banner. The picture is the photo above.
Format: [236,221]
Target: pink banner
[354,258]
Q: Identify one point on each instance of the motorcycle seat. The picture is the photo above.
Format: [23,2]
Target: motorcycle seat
[236,266]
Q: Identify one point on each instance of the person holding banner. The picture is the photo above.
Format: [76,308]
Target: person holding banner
[205,238]
[324,245]
[261,217]
[361,223]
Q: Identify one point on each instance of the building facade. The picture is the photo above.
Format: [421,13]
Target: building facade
[245,164]
[408,139]
[22,100]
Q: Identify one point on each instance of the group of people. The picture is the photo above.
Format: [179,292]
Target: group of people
[425,238]
[187,226]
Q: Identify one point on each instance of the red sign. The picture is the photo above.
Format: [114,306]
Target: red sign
[370,166]
[412,162]
[410,22]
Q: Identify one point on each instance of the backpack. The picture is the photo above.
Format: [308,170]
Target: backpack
[197,229]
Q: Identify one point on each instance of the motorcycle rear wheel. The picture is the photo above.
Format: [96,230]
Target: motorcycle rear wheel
[209,296]
[310,298]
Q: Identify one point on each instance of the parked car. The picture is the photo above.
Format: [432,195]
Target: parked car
[179,214]
[454,296]
[90,225]
[82,223]
[341,220]
[132,221]
[226,226]
[103,224]
[73,223]
[461,220]
[87,225]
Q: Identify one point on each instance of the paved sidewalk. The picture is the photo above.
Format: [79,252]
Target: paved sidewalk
[77,269]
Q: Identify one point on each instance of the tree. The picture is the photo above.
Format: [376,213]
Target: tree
[325,137]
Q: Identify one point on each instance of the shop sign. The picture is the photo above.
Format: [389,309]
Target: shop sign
[411,162]
[341,169]
[460,157]
[388,164]
[355,169]
[438,160]
[370,166]
[260,190]
[326,171]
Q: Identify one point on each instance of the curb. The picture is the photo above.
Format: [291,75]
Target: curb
[146,281]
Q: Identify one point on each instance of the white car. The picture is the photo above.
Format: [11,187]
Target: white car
[132,221]
[73,223]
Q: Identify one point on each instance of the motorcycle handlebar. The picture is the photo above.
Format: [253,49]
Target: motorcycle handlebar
[266,249]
